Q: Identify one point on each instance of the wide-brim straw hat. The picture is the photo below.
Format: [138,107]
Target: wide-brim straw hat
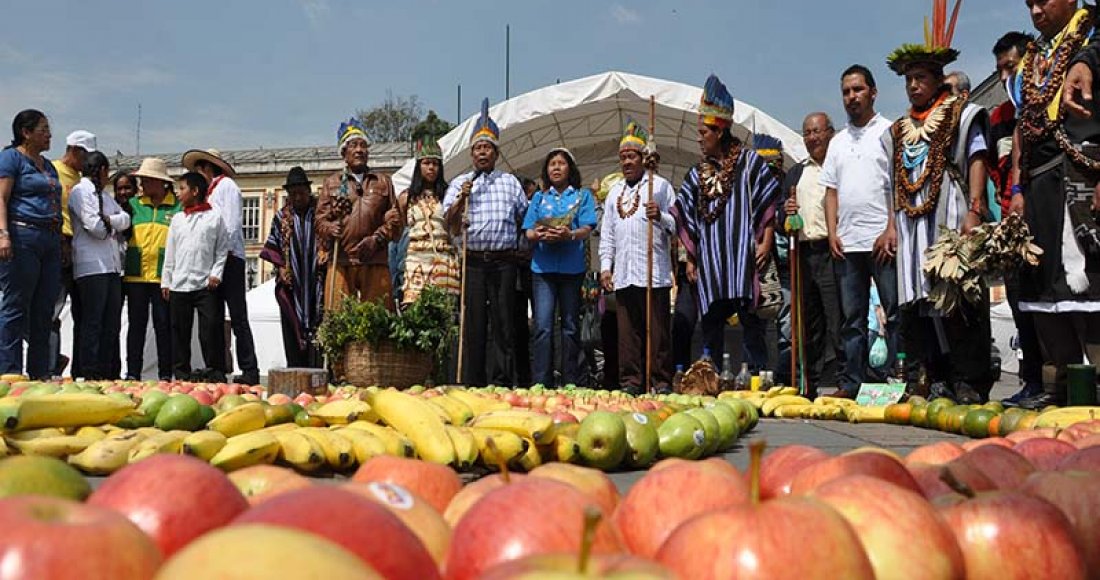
[153,168]
[212,156]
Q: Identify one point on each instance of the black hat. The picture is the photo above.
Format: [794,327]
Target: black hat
[297,176]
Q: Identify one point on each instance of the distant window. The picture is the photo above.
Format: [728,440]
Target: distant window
[252,271]
[250,219]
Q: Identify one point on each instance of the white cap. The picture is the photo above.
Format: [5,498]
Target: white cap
[82,139]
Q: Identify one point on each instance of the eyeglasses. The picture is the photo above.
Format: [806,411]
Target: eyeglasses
[816,132]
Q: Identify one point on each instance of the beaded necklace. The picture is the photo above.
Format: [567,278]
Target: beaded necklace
[716,187]
[636,199]
[925,143]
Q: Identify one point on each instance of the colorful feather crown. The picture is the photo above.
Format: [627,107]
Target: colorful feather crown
[936,49]
[486,129]
[351,129]
[716,105]
[634,137]
[767,146]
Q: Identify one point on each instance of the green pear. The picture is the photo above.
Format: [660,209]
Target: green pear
[727,424]
[602,440]
[743,410]
[681,435]
[180,412]
[641,437]
[229,401]
[711,429]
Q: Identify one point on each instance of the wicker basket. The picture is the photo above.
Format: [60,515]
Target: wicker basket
[365,365]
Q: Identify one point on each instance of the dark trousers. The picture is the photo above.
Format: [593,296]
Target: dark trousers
[141,297]
[114,363]
[490,303]
[100,324]
[854,274]
[714,327]
[183,306]
[1066,339]
[297,356]
[684,319]
[556,293]
[609,342]
[961,354]
[632,337]
[820,314]
[68,290]
[30,282]
[754,344]
[231,292]
[1031,366]
[522,327]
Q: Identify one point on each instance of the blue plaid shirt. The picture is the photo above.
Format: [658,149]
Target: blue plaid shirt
[497,207]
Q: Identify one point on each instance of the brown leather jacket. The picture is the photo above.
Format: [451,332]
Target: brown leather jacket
[369,224]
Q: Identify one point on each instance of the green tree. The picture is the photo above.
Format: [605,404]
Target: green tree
[431,127]
[393,120]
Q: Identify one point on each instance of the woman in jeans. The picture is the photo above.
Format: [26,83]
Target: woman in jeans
[97,267]
[558,220]
[30,246]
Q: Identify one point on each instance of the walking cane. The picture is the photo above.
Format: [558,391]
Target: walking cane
[794,224]
[649,259]
[330,285]
[462,284]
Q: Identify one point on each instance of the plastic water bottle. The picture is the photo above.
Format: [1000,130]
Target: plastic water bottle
[706,356]
[678,378]
[744,378]
[726,380]
[898,376]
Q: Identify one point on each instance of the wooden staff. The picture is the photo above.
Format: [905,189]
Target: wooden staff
[796,302]
[649,261]
[462,284]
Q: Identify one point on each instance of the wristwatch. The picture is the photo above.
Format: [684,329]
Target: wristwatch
[4,233]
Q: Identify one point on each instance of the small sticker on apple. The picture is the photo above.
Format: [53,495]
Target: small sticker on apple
[391,494]
[699,437]
[640,418]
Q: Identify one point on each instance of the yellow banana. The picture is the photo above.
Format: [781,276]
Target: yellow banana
[4,452]
[338,451]
[239,420]
[107,455]
[459,413]
[1066,416]
[343,411]
[279,428]
[418,421]
[169,442]
[37,434]
[790,411]
[13,378]
[93,433]
[772,403]
[865,414]
[529,459]
[509,446]
[365,444]
[837,401]
[465,446]
[438,410]
[300,452]
[396,443]
[477,403]
[204,444]
[60,446]
[533,425]
[68,410]
[779,391]
[245,450]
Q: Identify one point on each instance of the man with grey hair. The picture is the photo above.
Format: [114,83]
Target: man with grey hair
[959,83]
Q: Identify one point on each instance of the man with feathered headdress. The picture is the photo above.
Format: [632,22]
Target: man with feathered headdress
[497,205]
[726,209]
[357,219]
[939,151]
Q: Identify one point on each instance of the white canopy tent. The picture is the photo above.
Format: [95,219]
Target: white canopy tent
[588,115]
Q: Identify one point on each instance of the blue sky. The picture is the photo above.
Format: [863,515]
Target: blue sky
[234,74]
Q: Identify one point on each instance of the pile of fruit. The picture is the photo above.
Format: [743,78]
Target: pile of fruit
[989,509]
[101,427]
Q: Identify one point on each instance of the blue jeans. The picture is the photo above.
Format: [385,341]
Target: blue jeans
[562,291]
[30,282]
[854,275]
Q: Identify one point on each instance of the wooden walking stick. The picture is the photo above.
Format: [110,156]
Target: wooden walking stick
[462,284]
[649,162]
[793,225]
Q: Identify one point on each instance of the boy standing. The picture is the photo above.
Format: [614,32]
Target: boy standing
[194,262]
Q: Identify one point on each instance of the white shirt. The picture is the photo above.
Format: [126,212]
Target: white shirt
[811,202]
[226,199]
[95,249]
[197,248]
[624,242]
[858,168]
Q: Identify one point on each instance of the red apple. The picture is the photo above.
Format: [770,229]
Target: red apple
[665,498]
[533,516]
[472,493]
[173,498]
[592,482]
[935,454]
[1092,440]
[1087,459]
[877,465]
[363,527]
[279,399]
[1008,534]
[1077,494]
[416,513]
[435,483]
[564,566]
[1044,453]
[779,468]
[561,416]
[202,397]
[1020,436]
[996,441]
[899,529]
[258,551]
[783,538]
[930,478]
[1080,430]
[1004,467]
[48,537]
[260,483]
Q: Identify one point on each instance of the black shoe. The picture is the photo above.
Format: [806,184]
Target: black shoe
[1042,401]
[940,390]
[664,390]
[1029,390]
[966,395]
[633,390]
[247,379]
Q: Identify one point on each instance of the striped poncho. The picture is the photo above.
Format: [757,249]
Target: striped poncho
[292,248]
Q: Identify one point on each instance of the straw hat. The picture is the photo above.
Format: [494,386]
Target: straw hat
[153,168]
[212,156]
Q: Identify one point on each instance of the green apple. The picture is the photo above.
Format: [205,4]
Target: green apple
[727,424]
[180,412]
[641,437]
[681,435]
[602,440]
[711,429]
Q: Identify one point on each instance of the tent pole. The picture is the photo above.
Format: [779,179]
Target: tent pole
[649,262]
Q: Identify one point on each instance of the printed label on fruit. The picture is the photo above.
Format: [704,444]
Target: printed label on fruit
[699,437]
[641,418]
[394,495]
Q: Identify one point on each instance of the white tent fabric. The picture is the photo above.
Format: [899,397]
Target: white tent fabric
[588,115]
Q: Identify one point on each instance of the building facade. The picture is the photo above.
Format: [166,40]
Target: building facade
[261,174]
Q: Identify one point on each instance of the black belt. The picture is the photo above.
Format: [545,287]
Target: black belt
[49,226]
[815,244]
[492,256]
